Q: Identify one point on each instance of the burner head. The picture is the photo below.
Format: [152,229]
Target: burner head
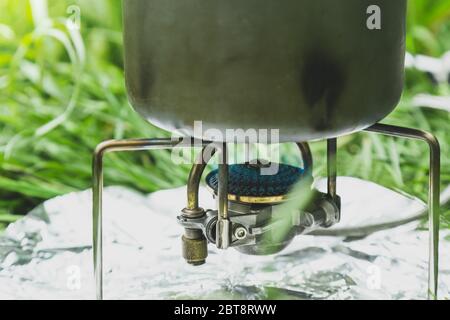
[247,184]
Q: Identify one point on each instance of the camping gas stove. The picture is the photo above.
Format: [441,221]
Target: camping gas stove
[309,69]
[257,220]
[258,214]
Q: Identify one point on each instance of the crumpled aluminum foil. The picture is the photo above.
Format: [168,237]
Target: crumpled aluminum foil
[47,254]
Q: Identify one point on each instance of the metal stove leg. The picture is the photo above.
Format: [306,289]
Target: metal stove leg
[223,228]
[433,194]
[332,167]
[101,150]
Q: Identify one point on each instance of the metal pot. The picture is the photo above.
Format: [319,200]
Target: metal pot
[311,68]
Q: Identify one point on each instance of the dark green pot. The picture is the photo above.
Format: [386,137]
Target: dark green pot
[310,68]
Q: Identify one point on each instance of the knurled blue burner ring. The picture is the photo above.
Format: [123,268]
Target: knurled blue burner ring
[247,181]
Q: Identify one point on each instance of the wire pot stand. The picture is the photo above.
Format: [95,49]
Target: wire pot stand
[167,144]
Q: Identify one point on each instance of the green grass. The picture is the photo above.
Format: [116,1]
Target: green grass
[61,96]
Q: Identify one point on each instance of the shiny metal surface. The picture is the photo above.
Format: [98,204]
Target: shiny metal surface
[433,195]
[307,158]
[223,228]
[311,68]
[195,177]
[332,167]
[39,253]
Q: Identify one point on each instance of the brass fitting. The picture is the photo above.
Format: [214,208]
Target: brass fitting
[195,247]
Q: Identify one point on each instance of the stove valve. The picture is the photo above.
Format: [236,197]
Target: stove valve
[261,230]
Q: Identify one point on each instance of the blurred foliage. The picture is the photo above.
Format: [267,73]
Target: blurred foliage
[45,75]
[428,26]
[62,92]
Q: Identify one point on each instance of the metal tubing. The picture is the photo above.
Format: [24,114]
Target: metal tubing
[223,223]
[433,194]
[332,167]
[195,177]
[97,189]
[223,183]
[307,158]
